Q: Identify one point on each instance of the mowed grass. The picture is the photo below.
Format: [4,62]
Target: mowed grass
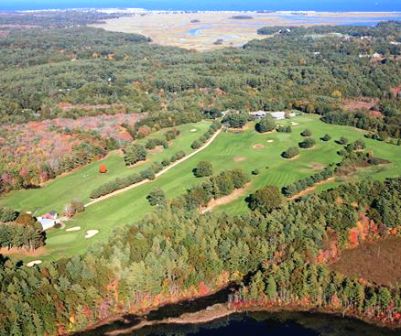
[228,151]
[79,184]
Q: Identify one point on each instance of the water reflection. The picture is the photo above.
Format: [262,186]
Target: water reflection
[266,324]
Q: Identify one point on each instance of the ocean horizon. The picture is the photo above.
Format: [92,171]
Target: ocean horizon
[222,5]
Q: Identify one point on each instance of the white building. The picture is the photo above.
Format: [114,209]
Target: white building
[279,115]
[47,223]
[48,220]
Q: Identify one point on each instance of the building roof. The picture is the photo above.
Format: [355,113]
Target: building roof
[46,223]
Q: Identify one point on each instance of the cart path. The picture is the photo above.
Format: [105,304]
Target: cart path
[160,173]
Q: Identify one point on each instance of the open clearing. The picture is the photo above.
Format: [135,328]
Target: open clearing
[377,262]
[127,207]
[200,30]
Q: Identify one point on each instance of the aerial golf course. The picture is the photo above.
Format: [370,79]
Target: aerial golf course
[245,149]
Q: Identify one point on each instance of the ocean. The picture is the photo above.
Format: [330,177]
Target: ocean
[239,5]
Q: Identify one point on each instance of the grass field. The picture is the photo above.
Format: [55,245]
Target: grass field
[79,184]
[229,150]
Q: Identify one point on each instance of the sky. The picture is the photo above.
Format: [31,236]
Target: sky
[318,5]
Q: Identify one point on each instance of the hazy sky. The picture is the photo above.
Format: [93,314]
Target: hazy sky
[366,5]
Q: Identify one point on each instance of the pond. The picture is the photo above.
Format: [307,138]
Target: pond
[262,323]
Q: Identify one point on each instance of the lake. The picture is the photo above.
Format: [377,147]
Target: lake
[264,324]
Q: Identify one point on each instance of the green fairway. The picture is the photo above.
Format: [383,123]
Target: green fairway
[229,150]
[79,184]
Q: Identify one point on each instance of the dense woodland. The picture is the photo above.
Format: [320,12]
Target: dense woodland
[85,65]
[175,251]
[94,72]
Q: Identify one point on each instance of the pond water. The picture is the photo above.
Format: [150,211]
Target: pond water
[266,324]
[194,32]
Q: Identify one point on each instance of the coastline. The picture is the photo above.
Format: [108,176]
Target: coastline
[222,26]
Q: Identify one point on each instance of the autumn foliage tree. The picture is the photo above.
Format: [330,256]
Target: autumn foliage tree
[102,169]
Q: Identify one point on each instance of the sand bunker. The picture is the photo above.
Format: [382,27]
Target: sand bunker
[194,130]
[258,146]
[239,158]
[33,263]
[91,233]
[270,141]
[74,229]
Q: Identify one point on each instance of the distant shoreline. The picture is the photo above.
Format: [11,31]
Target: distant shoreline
[111,10]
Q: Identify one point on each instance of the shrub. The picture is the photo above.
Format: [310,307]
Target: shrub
[156,197]
[326,137]
[307,143]
[306,133]
[206,136]
[266,124]
[342,141]
[147,174]
[212,113]
[196,144]
[157,167]
[290,153]
[236,119]
[300,185]
[255,172]
[153,143]
[8,215]
[134,153]
[284,129]
[214,187]
[204,168]
[74,207]
[265,200]
[238,178]
[25,219]
[171,134]
[166,162]
[177,156]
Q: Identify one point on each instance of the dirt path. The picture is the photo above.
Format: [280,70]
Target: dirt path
[237,193]
[133,186]
[310,189]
